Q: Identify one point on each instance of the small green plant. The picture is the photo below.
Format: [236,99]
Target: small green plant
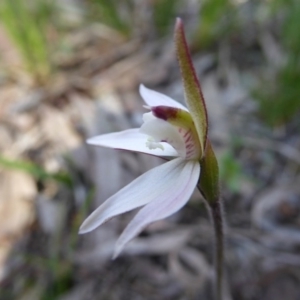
[217,18]
[27,23]
[164,12]
[230,171]
[279,100]
[121,16]
[279,96]
[113,14]
[36,171]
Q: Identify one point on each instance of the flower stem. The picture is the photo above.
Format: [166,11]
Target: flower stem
[215,209]
[217,219]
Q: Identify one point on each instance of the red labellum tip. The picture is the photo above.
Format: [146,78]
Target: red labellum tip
[164,112]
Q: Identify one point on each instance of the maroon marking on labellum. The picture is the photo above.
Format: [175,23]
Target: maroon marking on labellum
[164,112]
[188,138]
[189,146]
[186,133]
[189,152]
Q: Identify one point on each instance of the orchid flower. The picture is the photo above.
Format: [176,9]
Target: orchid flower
[169,130]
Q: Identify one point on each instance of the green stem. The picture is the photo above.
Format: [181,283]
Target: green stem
[217,219]
[215,209]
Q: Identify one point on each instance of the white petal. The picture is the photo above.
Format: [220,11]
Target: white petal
[149,186]
[153,98]
[161,130]
[148,117]
[131,140]
[183,184]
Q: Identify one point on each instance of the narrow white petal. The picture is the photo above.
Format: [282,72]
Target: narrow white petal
[153,98]
[183,183]
[149,186]
[161,130]
[131,140]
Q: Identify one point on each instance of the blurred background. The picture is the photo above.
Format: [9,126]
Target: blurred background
[70,69]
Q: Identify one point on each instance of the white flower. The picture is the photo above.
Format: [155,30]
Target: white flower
[168,131]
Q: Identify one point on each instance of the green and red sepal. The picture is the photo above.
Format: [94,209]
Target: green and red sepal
[192,90]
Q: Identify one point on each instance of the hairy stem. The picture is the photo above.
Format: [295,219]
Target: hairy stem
[217,219]
[215,209]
